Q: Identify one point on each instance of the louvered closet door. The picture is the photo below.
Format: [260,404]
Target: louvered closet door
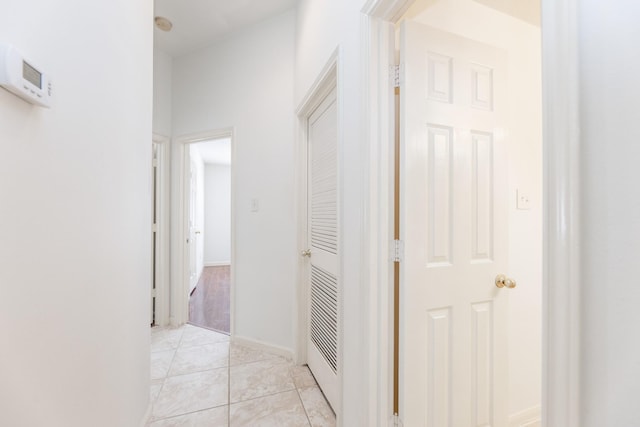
[322,226]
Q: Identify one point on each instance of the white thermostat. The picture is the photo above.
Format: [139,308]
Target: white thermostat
[21,77]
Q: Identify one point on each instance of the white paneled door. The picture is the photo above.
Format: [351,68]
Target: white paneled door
[322,237]
[453,363]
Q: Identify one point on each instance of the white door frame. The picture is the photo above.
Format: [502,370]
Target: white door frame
[378,37]
[163,211]
[561,220]
[180,207]
[561,262]
[324,84]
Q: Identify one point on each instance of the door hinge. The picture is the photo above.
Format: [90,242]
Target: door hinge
[154,163]
[397,251]
[395,75]
[154,228]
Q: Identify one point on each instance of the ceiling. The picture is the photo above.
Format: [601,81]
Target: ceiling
[199,23]
[526,10]
[217,151]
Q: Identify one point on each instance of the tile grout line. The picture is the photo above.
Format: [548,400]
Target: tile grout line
[295,388]
[189,413]
[199,370]
[290,375]
[175,350]
[304,407]
[266,395]
[196,372]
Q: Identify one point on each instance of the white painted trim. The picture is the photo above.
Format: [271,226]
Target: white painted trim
[300,308]
[217,263]
[327,80]
[387,10]
[321,87]
[180,256]
[561,296]
[528,418]
[561,223]
[263,346]
[380,16]
[163,206]
[380,121]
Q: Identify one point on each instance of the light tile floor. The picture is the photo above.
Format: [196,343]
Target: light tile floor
[200,379]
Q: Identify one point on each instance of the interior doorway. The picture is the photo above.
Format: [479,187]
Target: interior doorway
[208,230]
[503,335]
[160,226]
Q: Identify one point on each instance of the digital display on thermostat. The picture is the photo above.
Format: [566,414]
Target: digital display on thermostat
[31,75]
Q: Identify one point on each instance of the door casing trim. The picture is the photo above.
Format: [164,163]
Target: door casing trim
[561,250]
[561,221]
[163,247]
[179,225]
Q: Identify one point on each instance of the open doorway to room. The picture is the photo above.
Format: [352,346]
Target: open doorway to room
[470,187]
[209,233]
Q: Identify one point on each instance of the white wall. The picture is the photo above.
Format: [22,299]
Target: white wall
[162,74]
[521,41]
[74,217]
[217,222]
[610,212]
[322,27]
[245,82]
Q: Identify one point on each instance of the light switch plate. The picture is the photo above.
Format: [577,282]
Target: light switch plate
[523,200]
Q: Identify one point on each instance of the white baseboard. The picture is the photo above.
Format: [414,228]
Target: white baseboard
[147,416]
[262,346]
[531,417]
[217,263]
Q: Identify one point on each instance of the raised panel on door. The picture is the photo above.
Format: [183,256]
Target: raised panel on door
[454,225]
[439,405]
[440,192]
[482,390]
[482,196]
[323,238]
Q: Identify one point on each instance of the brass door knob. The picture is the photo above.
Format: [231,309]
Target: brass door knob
[503,281]
[306,253]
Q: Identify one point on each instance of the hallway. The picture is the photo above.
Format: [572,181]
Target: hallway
[200,379]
